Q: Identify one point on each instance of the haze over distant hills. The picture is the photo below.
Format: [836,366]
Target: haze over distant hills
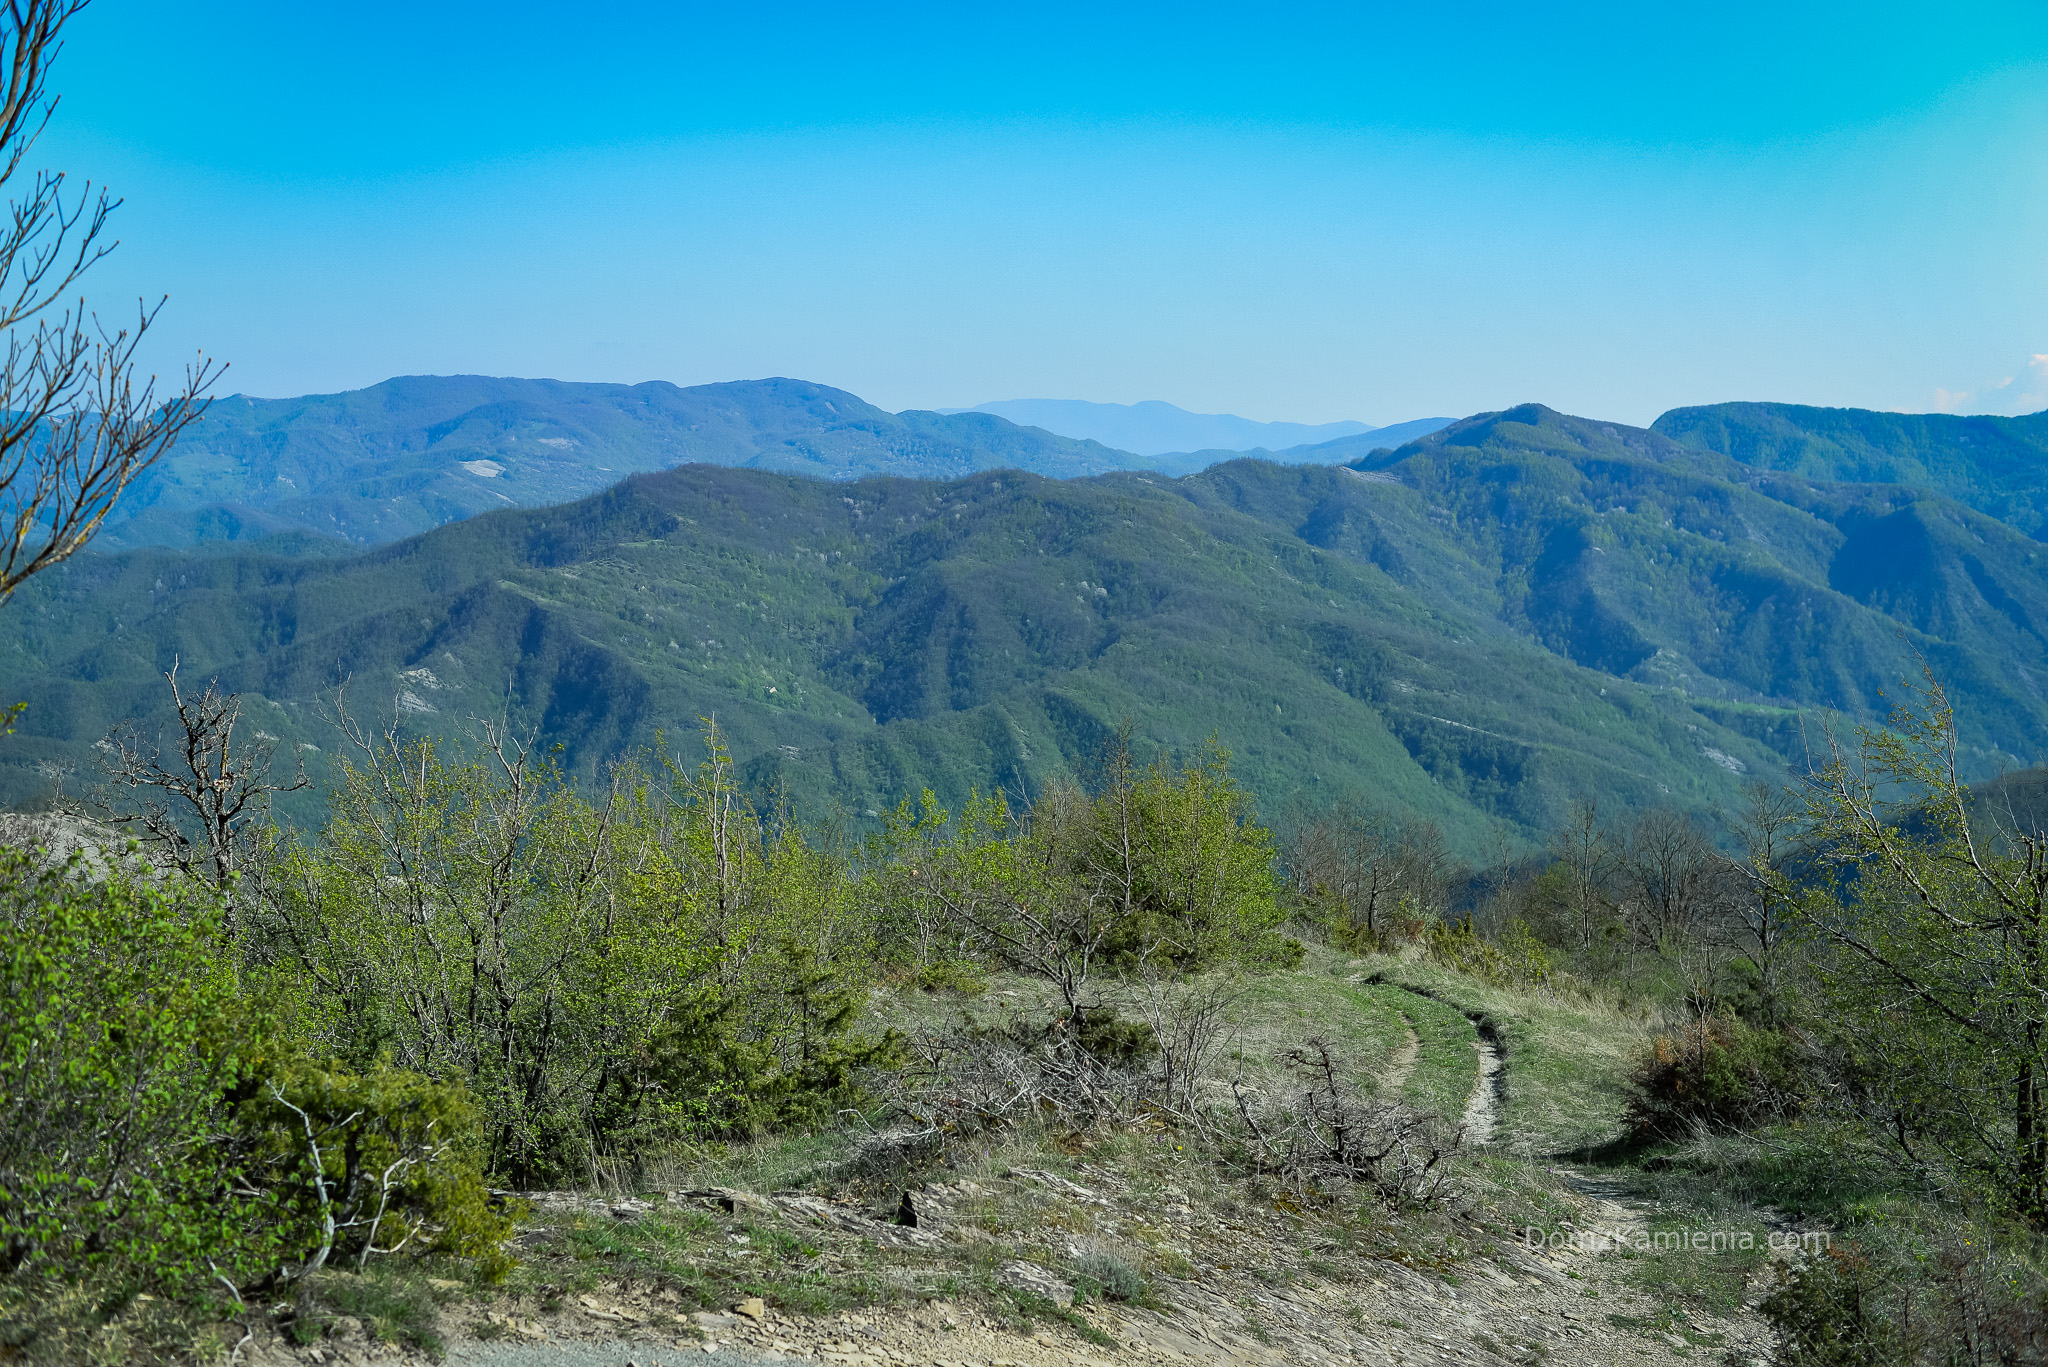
[1156,428]
[413,453]
[1480,625]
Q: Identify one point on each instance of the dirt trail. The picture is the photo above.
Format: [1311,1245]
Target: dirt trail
[1519,1305]
[1482,1109]
[1246,1294]
[1402,1061]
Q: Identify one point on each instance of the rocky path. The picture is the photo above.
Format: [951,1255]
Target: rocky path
[1482,1109]
[1520,1305]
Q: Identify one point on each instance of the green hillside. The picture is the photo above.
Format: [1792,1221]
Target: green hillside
[1518,610]
[374,465]
[1996,465]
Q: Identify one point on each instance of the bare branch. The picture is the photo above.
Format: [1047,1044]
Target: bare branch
[78,421]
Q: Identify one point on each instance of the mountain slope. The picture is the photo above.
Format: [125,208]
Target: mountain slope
[1626,552]
[377,464]
[862,640]
[1479,626]
[1996,465]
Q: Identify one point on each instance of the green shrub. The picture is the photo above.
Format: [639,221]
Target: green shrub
[1932,1292]
[1514,957]
[399,1165]
[1721,1073]
[1832,1311]
[789,1058]
[602,977]
[1110,1039]
[116,1045]
[154,1132]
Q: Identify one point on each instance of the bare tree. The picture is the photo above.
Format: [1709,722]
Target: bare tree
[204,808]
[1589,862]
[1361,865]
[77,421]
[1769,826]
[1327,1134]
[1671,879]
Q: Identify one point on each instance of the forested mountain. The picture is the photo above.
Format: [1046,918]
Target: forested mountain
[377,464]
[1996,465]
[1478,626]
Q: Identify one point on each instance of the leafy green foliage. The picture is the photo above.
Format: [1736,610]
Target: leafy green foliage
[160,1134]
[1936,960]
[1163,869]
[374,1162]
[660,962]
[1512,955]
[115,1049]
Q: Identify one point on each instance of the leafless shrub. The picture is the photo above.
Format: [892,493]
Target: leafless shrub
[1327,1135]
[1189,1020]
[987,1074]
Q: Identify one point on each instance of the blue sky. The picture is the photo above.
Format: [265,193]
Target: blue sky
[1289,212]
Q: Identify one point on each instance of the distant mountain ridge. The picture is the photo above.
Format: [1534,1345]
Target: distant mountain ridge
[373,465]
[1156,428]
[1519,610]
[1341,451]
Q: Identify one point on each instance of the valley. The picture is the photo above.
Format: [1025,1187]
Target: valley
[1477,626]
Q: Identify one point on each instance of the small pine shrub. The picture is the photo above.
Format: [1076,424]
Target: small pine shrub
[1720,1073]
[1831,1311]
[1111,1040]
[401,1160]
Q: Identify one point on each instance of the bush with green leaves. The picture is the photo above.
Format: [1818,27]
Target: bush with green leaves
[1163,869]
[1931,951]
[117,1045]
[1722,1073]
[369,1162]
[1939,1292]
[663,963]
[156,1127]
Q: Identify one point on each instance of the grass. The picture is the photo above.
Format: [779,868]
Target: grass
[1447,1066]
[699,1260]
[1567,1056]
[1279,1011]
[396,1301]
[1031,1307]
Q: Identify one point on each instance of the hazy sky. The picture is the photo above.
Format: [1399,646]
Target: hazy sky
[1287,212]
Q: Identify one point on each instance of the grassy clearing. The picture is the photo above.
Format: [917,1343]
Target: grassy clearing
[1567,1057]
[1447,1068]
[1277,1012]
